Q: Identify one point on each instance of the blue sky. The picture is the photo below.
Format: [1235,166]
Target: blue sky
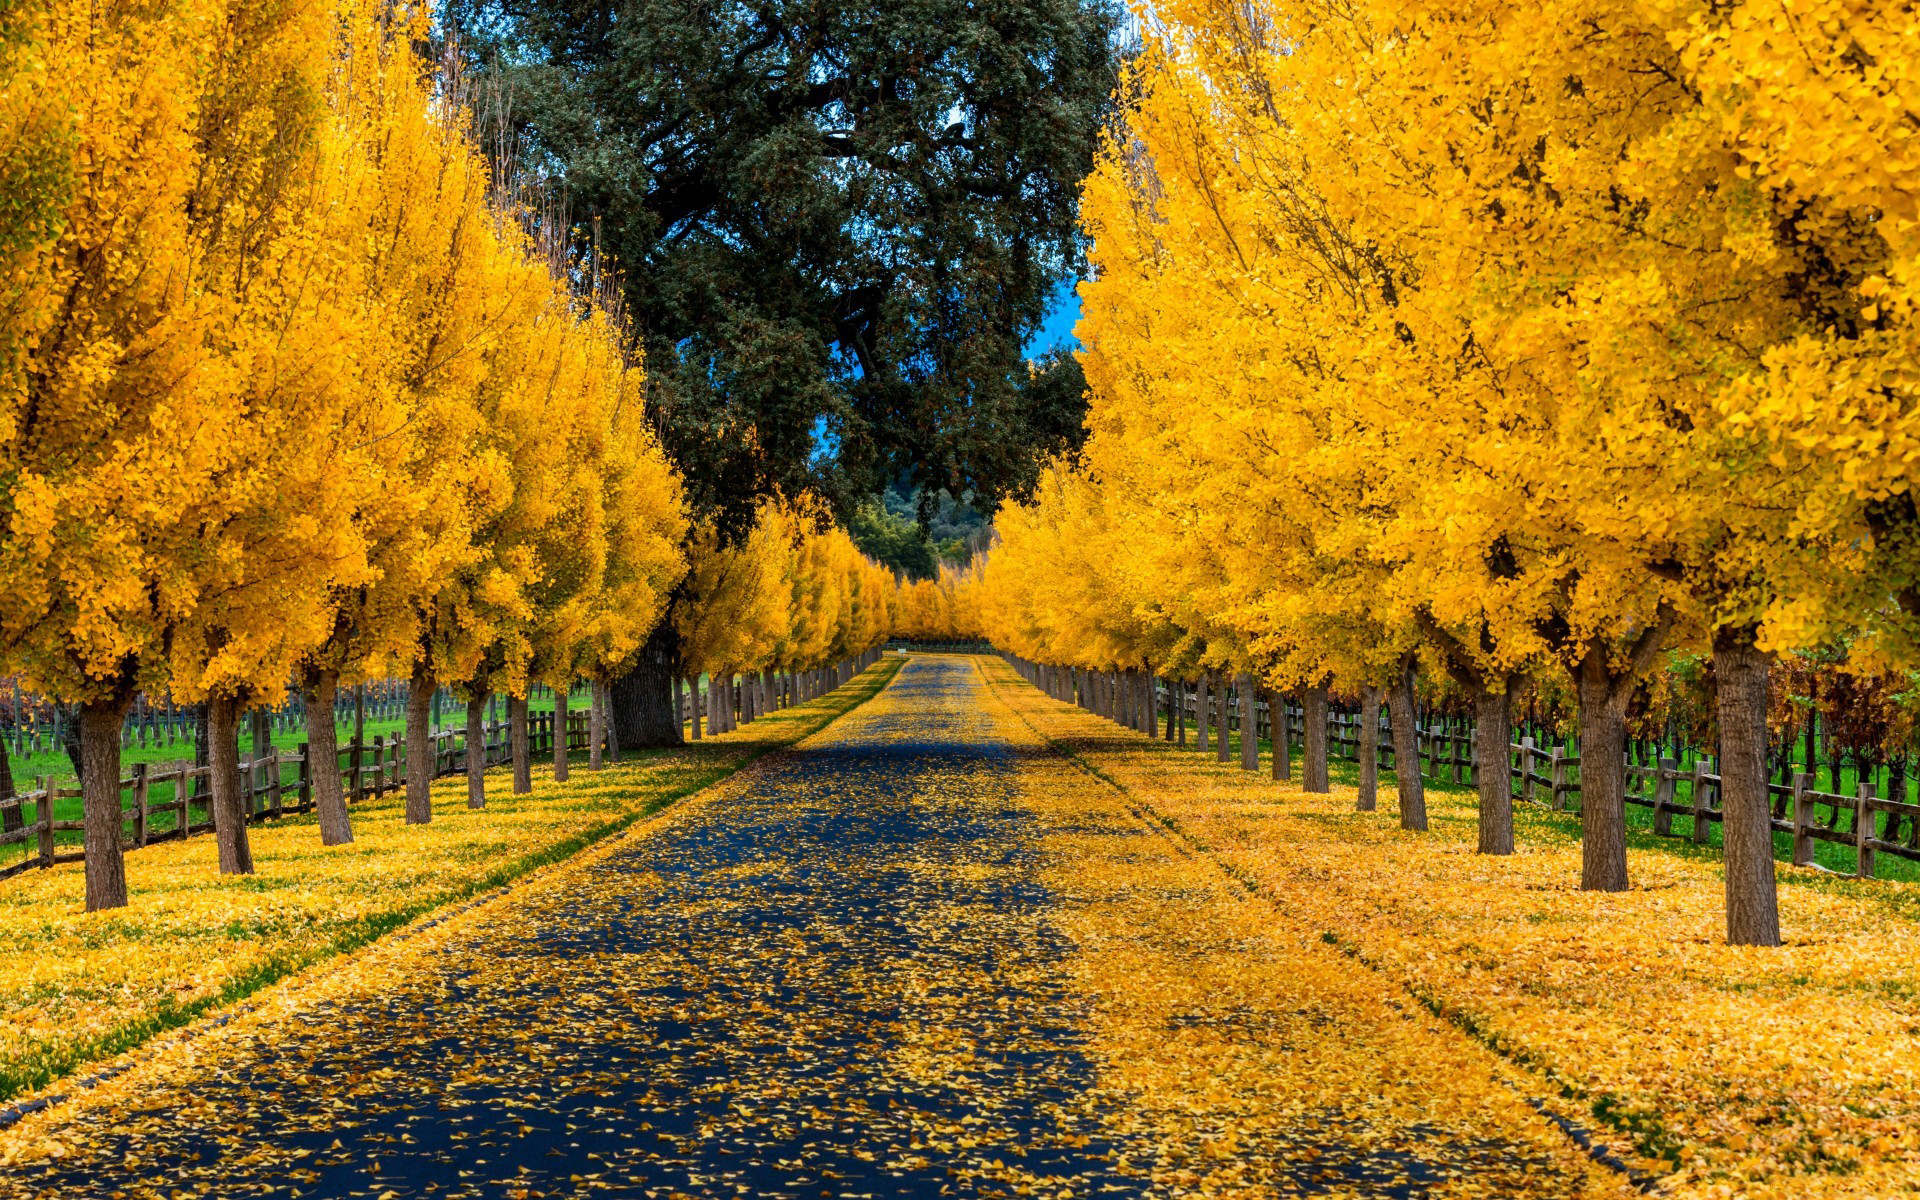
[1057,329]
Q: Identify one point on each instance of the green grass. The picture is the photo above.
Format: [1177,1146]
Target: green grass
[1538,820]
[163,755]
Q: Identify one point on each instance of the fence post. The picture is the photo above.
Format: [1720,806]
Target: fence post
[379,765]
[306,778]
[139,804]
[44,785]
[1702,812]
[1802,819]
[1526,772]
[1863,831]
[1557,779]
[274,796]
[1665,776]
[181,820]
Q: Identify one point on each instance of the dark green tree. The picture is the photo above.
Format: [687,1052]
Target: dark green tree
[838,223]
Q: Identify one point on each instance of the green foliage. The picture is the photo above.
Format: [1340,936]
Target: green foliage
[914,532]
[838,224]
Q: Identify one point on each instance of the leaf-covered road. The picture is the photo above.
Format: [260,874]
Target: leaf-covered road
[916,956]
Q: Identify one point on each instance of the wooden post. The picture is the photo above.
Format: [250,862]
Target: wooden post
[1526,773]
[180,793]
[306,778]
[1802,819]
[1557,778]
[1665,776]
[379,765]
[1697,795]
[1863,831]
[139,804]
[274,794]
[44,785]
[1703,827]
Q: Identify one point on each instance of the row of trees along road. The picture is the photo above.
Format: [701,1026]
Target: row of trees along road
[838,225]
[1521,340]
[296,385]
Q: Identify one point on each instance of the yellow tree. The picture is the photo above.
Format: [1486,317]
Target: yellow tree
[185,330]
[415,193]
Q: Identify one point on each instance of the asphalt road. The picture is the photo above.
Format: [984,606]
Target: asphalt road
[838,974]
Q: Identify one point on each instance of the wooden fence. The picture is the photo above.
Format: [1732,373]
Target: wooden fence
[1867,823]
[161,802]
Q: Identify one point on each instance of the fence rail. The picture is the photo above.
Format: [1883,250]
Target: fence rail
[162,802]
[273,786]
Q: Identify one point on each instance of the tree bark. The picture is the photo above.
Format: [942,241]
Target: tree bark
[1202,716]
[229,809]
[1369,749]
[420,690]
[643,713]
[1740,670]
[66,719]
[477,749]
[608,728]
[1223,745]
[1313,766]
[517,744]
[323,757]
[1249,725]
[1603,784]
[1492,754]
[11,819]
[1282,736]
[696,705]
[1406,749]
[561,697]
[596,725]
[106,865]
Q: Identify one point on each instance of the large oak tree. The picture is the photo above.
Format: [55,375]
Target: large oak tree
[838,224]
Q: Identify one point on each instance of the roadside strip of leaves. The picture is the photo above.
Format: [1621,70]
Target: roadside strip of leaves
[1719,1070]
[78,988]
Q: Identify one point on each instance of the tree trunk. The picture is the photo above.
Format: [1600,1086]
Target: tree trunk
[420,756]
[608,729]
[229,809]
[1492,754]
[696,705]
[106,866]
[1740,670]
[201,787]
[1603,766]
[66,719]
[1369,750]
[1406,750]
[323,758]
[596,725]
[1282,736]
[561,696]
[1249,725]
[1223,745]
[1313,765]
[517,717]
[11,819]
[477,749]
[1203,715]
[643,713]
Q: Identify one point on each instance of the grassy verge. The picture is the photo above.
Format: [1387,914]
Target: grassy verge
[1729,1071]
[78,987]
